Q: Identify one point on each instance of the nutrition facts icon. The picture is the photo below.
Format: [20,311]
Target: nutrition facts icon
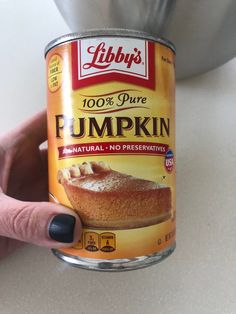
[91,241]
[108,242]
[79,244]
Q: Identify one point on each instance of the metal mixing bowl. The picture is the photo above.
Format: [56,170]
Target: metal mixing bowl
[203,31]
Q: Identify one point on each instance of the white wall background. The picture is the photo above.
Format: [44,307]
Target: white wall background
[26,28]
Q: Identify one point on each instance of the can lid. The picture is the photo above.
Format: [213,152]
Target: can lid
[108,32]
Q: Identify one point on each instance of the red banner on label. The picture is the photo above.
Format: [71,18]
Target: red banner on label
[114,74]
[112,148]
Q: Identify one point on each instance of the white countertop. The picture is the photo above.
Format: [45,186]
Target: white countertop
[200,276]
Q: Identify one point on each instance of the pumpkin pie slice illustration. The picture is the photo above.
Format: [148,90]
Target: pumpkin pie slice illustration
[105,198]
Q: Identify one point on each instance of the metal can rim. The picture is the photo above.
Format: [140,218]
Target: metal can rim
[107,32]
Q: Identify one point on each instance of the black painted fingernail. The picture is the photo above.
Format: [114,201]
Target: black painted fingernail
[62,228]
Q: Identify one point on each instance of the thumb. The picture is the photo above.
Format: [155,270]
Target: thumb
[42,223]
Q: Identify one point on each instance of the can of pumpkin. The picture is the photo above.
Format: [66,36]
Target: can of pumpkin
[111,145]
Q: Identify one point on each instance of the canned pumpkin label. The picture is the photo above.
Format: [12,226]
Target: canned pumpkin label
[111,138]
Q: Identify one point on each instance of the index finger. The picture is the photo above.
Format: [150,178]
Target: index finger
[35,127]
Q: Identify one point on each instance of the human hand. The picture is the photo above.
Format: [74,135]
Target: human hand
[25,214]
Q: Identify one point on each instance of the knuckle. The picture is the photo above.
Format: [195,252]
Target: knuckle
[23,222]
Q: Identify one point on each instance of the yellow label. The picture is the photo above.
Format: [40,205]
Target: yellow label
[54,73]
[111,136]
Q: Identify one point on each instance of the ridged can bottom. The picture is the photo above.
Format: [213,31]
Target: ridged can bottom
[115,265]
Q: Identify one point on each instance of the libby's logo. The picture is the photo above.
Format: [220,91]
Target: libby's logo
[104,57]
[99,60]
